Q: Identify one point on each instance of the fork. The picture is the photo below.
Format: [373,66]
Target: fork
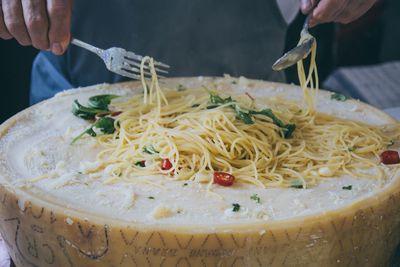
[123,62]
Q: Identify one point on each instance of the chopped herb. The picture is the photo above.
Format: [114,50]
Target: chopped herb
[80,173]
[297,184]
[256,198]
[287,129]
[236,207]
[391,143]
[179,211]
[150,197]
[150,150]
[141,163]
[299,112]
[101,101]
[351,149]
[195,105]
[245,116]
[234,82]
[212,106]
[104,124]
[348,187]
[339,97]
[86,113]
[185,184]
[181,88]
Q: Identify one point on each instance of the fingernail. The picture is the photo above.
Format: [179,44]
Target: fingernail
[57,49]
[306,5]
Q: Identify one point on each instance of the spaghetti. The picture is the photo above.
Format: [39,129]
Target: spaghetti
[198,132]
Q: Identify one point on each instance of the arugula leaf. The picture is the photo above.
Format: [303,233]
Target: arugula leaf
[86,113]
[256,198]
[236,207]
[288,129]
[348,187]
[242,115]
[246,115]
[150,150]
[105,125]
[339,97]
[101,101]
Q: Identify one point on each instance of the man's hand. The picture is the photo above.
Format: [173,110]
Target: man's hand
[343,11]
[45,24]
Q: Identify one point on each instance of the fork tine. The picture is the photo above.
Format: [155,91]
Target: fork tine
[135,64]
[133,56]
[136,72]
[128,67]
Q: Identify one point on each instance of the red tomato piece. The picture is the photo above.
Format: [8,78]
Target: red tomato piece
[115,113]
[166,164]
[223,178]
[390,157]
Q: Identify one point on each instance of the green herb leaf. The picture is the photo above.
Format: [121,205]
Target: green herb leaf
[101,101]
[104,124]
[339,97]
[351,149]
[297,184]
[150,197]
[150,150]
[86,113]
[287,129]
[216,99]
[181,88]
[243,115]
[185,184]
[236,207]
[140,163]
[256,198]
[348,187]
[195,105]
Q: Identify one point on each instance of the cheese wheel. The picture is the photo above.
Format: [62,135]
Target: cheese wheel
[54,214]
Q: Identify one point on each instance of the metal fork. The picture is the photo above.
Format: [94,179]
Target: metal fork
[122,62]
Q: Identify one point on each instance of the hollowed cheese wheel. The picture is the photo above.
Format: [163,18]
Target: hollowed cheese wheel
[61,221]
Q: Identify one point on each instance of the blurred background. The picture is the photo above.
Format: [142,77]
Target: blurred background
[359,59]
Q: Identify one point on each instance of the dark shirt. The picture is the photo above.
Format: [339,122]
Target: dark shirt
[197,37]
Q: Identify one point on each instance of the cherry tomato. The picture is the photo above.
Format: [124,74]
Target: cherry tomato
[115,113]
[390,157]
[166,164]
[223,178]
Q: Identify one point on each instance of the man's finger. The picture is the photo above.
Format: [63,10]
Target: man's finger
[4,34]
[307,5]
[60,18]
[14,20]
[36,22]
[326,11]
[354,10]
